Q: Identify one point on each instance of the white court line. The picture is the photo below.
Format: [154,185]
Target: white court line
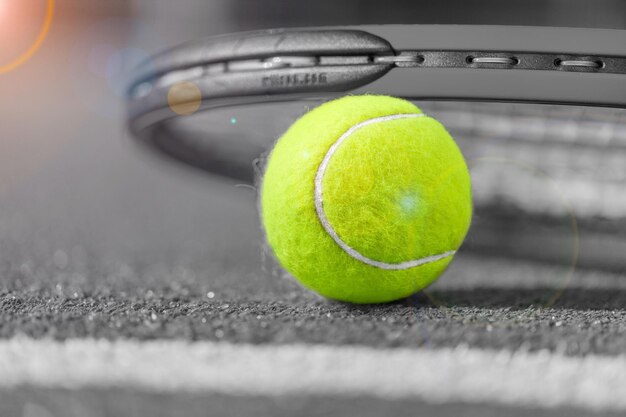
[460,375]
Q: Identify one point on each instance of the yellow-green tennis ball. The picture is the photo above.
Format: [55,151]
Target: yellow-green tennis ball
[366,199]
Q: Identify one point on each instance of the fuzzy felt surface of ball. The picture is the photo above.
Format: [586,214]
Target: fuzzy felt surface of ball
[365,199]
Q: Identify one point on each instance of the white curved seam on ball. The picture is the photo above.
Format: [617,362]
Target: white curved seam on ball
[321,214]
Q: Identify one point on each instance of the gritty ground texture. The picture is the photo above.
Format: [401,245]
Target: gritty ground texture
[482,304]
[577,316]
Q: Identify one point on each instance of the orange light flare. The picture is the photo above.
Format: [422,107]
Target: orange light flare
[24,25]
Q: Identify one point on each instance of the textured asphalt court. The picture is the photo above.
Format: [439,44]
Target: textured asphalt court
[482,303]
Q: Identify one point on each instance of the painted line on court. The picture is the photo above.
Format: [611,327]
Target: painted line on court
[460,375]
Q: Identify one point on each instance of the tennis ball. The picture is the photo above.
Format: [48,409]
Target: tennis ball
[366,199]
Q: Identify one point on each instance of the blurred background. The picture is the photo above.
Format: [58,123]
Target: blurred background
[77,194]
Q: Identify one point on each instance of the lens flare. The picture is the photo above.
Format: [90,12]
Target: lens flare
[184,98]
[45,28]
